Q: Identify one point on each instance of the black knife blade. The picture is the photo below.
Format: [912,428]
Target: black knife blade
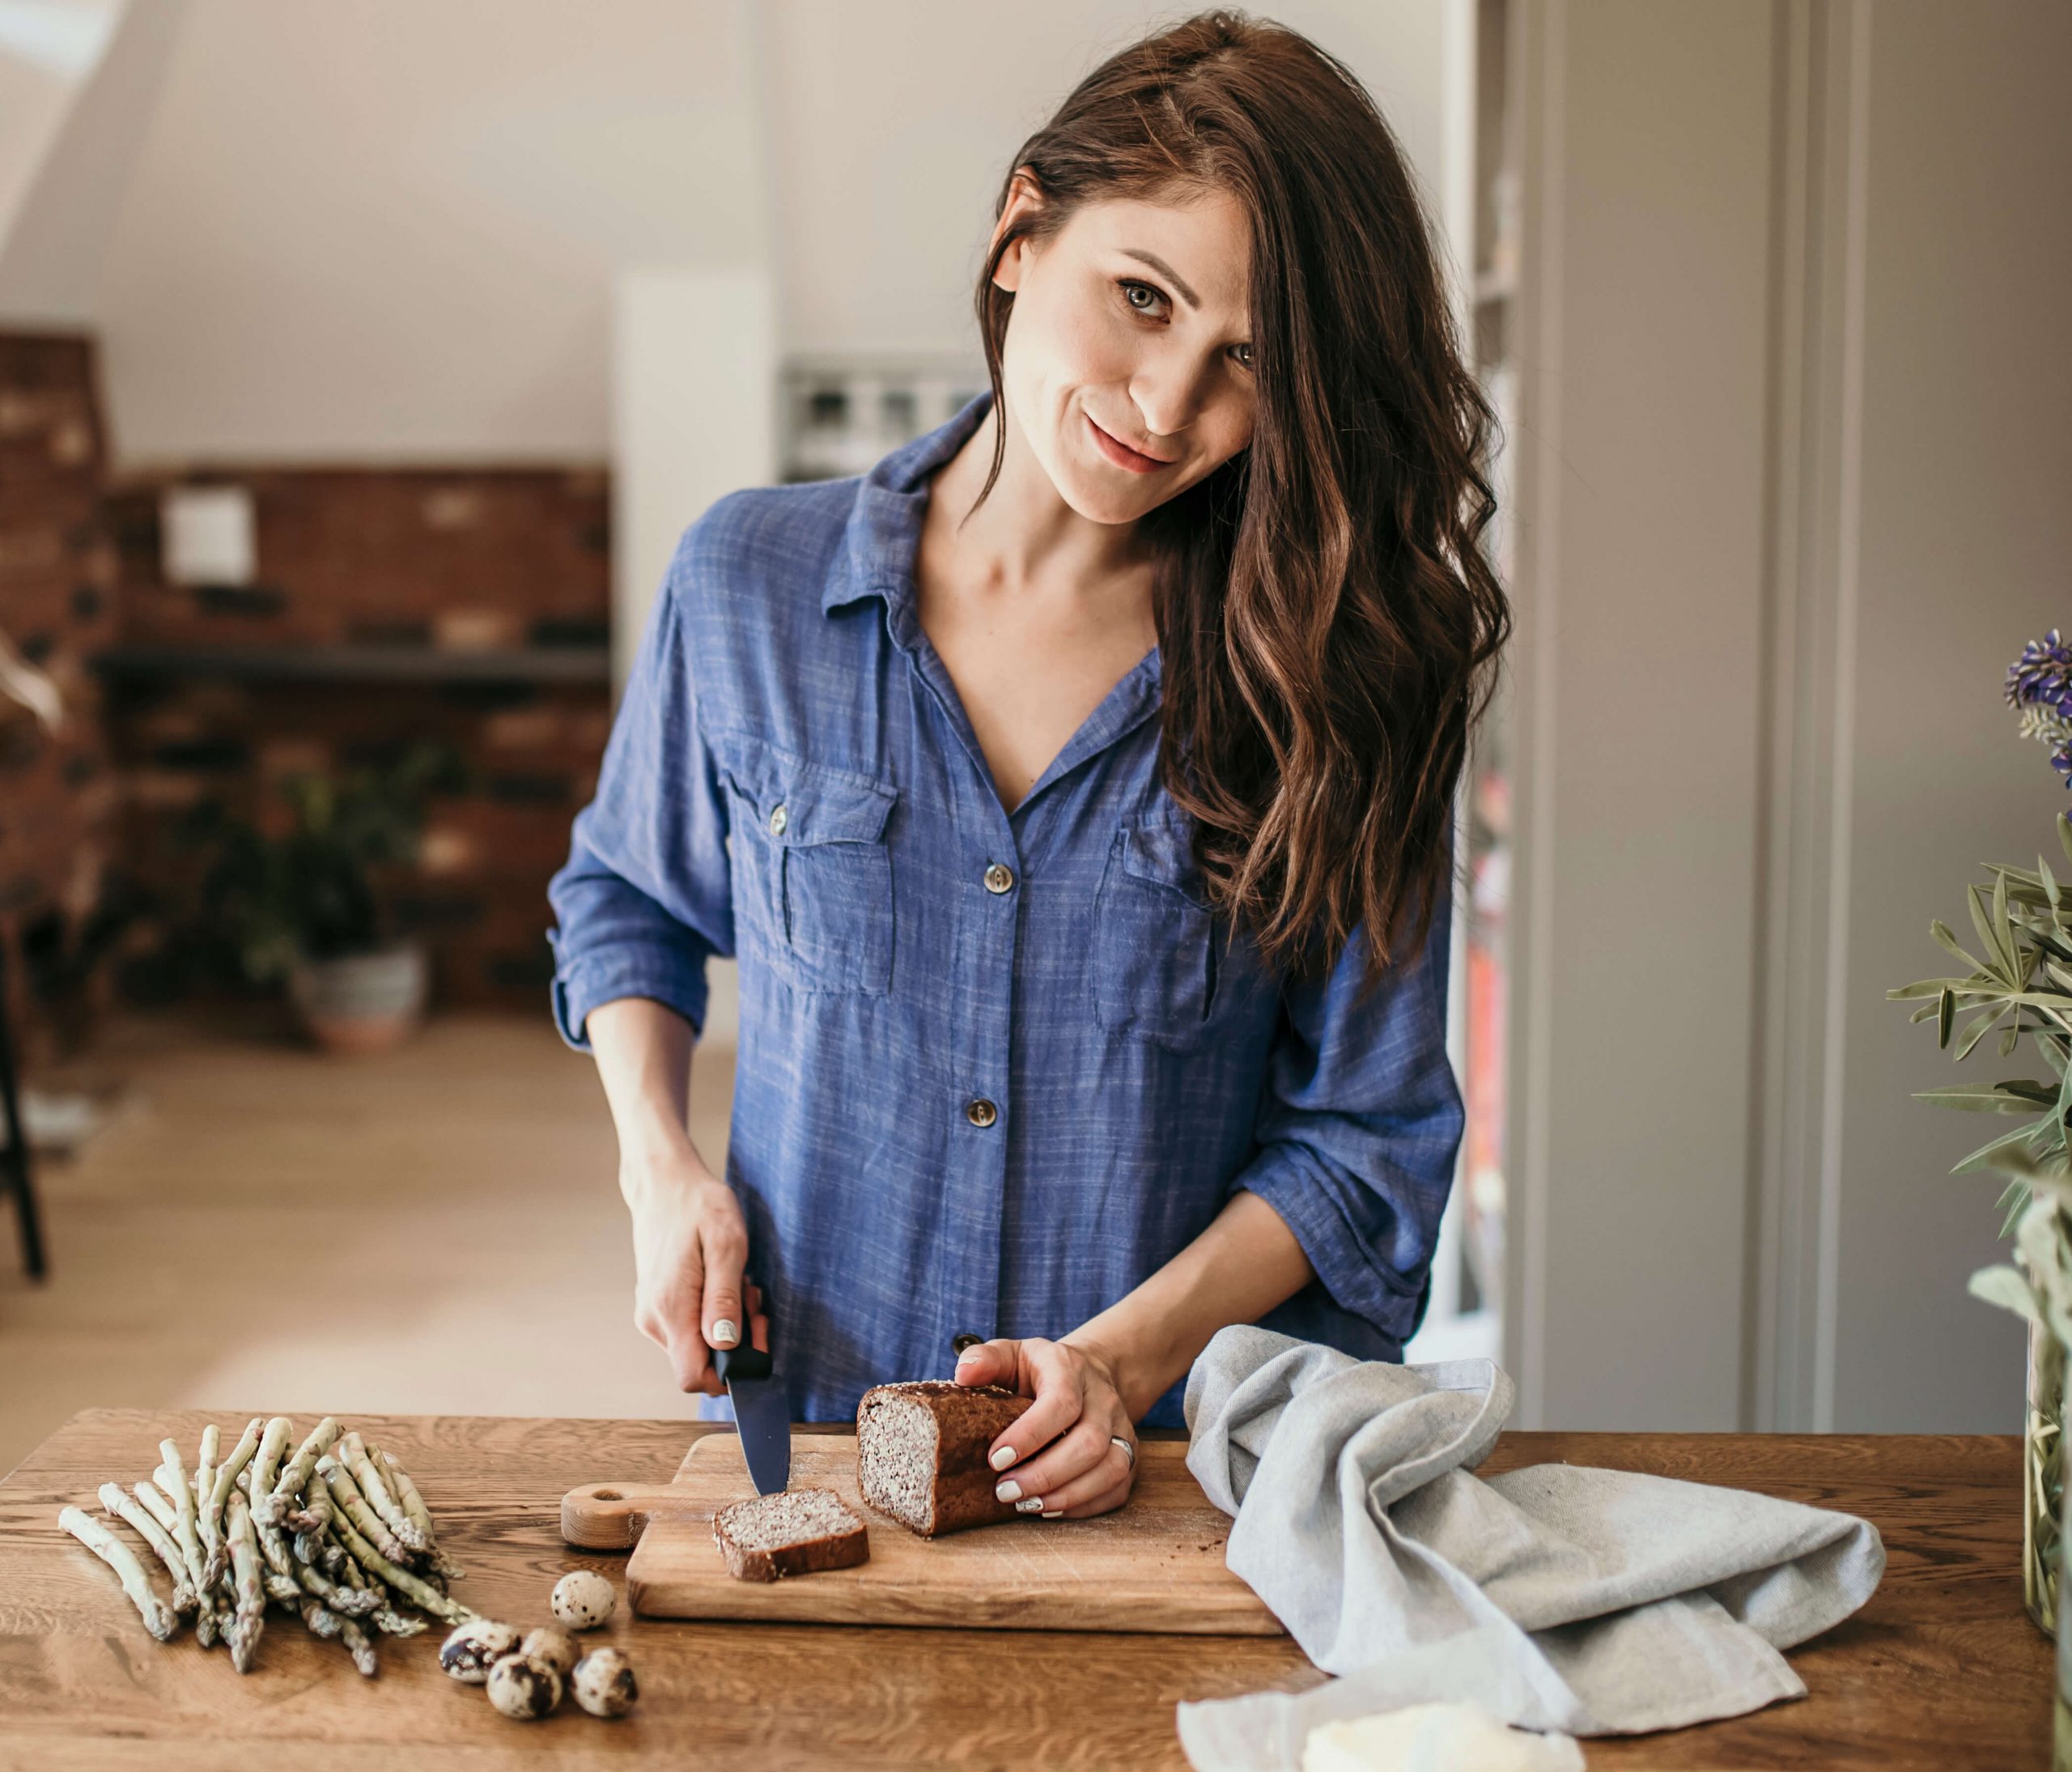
[762,1413]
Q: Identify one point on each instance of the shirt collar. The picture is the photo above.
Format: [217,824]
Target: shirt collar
[884,533]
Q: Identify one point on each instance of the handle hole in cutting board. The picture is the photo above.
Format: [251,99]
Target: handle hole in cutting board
[606,1495]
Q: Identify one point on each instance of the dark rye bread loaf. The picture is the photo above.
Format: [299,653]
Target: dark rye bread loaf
[796,1531]
[921,1453]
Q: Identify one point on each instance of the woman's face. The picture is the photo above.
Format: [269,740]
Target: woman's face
[1127,364]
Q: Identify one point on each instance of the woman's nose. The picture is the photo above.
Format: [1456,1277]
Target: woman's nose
[1168,398]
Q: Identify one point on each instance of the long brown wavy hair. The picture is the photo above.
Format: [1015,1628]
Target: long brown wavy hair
[1328,624]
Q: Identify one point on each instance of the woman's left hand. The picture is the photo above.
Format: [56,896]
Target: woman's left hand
[1059,1456]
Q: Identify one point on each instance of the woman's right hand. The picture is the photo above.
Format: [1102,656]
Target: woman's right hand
[689,1248]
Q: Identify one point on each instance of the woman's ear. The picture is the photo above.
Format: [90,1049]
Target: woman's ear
[1025,198]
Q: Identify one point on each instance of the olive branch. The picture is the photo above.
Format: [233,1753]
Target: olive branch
[2024,985]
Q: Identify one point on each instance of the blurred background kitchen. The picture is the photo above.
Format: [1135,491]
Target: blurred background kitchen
[360,366]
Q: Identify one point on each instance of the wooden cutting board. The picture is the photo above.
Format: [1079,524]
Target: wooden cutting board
[1155,1564]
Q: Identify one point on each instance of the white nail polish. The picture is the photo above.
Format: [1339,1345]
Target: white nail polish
[1033,1505]
[1058,1514]
[1007,1490]
[724,1334]
[1002,1458]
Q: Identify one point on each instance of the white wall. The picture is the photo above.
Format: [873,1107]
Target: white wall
[387,230]
[1962,424]
[1797,426]
[891,127]
[1638,658]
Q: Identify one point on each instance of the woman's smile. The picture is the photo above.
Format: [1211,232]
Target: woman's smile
[1123,455]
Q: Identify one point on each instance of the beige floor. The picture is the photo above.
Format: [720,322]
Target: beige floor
[438,1229]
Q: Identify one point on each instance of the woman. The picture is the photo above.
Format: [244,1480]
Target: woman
[1051,781]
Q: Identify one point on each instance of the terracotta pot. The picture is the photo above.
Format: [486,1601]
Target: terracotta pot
[361,1002]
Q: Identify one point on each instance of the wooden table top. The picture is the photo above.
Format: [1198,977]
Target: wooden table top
[1941,1669]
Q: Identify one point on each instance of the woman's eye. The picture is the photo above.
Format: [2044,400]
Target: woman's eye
[1132,289]
[1243,354]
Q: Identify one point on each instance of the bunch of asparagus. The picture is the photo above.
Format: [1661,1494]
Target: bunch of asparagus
[337,1534]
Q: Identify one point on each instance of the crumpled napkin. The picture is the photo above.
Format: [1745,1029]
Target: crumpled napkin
[1557,1598]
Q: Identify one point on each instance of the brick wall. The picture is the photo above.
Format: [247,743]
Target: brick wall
[57,580]
[436,561]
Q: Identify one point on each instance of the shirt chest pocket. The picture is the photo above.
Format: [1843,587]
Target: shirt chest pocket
[1154,948]
[812,873]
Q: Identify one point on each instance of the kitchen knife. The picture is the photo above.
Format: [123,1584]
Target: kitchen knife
[762,1412]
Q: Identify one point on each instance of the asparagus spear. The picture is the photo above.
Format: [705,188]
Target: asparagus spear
[338,1597]
[215,1495]
[280,1507]
[420,1515]
[321,1622]
[361,1647]
[126,1509]
[266,1463]
[250,1619]
[173,1476]
[159,1618]
[402,1528]
[205,1478]
[420,1594]
[347,1498]
[277,1569]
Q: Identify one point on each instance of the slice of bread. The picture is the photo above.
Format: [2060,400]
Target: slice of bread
[796,1531]
[921,1453]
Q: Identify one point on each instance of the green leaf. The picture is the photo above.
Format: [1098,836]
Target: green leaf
[2005,1287]
[1976,1162]
[2064,835]
[1941,931]
[1982,921]
[1902,993]
[2013,1202]
[1975,1030]
[1976,1098]
[2050,881]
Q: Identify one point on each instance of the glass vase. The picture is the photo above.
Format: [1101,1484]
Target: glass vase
[2043,1479]
[2061,1727]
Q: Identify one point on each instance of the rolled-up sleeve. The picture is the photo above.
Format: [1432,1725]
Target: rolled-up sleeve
[1360,1122]
[645,898]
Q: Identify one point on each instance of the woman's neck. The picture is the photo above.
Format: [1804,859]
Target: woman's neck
[1025,538]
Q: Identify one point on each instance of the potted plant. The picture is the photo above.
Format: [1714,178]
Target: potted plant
[2024,985]
[296,899]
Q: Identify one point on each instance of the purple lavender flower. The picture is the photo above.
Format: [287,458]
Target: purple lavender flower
[2039,683]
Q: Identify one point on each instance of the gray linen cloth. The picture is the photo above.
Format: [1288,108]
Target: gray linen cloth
[1556,1597]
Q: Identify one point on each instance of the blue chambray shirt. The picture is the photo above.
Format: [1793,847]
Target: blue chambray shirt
[994,1068]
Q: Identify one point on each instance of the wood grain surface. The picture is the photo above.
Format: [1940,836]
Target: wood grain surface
[1154,1566]
[1941,1669]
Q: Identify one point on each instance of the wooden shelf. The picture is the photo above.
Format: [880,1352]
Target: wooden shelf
[361,664]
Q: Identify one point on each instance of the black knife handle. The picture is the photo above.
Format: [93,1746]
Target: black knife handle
[749,1362]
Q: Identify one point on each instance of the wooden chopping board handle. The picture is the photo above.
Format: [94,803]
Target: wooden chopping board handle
[612,1516]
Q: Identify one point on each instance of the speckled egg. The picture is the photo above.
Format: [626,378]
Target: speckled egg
[603,1685]
[524,1687]
[582,1600]
[553,1646]
[475,1647]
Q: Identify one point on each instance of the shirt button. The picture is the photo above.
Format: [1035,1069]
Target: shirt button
[778,820]
[999,878]
[982,1113]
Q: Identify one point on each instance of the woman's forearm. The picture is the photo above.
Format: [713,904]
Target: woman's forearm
[643,1049]
[1246,1262]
